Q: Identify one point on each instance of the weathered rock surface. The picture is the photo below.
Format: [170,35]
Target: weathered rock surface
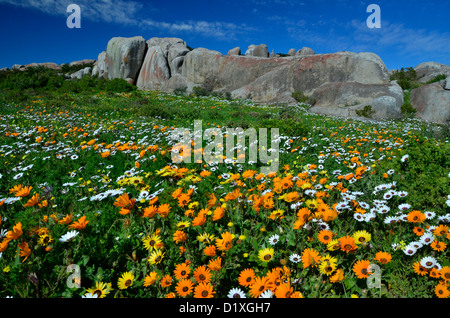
[228,71]
[260,50]
[310,72]
[155,71]
[340,83]
[428,70]
[432,103]
[292,52]
[82,62]
[124,57]
[305,51]
[235,51]
[100,68]
[80,73]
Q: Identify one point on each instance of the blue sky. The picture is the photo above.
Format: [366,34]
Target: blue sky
[411,32]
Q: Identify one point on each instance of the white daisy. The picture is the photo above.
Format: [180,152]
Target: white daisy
[364,205]
[404,158]
[236,293]
[402,194]
[89,295]
[358,217]
[427,238]
[295,258]
[429,215]
[404,206]
[369,216]
[390,220]
[266,294]
[410,250]
[428,262]
[383,209]
[274,239]
[68,236]
[416,244]
[389,194]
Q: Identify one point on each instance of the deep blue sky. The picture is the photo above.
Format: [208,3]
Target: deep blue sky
[412,31]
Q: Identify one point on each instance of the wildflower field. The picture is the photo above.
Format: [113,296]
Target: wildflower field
[92,204]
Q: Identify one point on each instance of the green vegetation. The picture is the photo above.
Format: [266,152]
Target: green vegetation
[302,98]
[87,179]
[367,111]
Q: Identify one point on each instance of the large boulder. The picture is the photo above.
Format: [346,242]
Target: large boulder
[310,72]
[166,43]
[124,57]
[292,52]
[432,103]
[80,73]
[155,71]
[230,72]
[82,62]
[100,68]
[257,50]
[429,70]
[305,51]
[163,60]
[235,51]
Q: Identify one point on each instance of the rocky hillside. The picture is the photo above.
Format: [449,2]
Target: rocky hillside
[342,83]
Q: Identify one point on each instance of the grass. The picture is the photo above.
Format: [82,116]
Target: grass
[105,158]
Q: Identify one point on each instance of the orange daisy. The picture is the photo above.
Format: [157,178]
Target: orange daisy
[347,244]
[182,271]
[310,257]
[15,233]
[183,199]
[419,269]
[445,273]
[258,287]
[164,210]
[226,242]
[441,290]
[438,246]
[33,201]
[247,277]
[383,257]
[361,268]
[204,290]
[215,264]
[80,224]
[210,250]
[202,274]
[416,217]
[166,281]
[325,236]
[284,290]
[440,230]
[184,287]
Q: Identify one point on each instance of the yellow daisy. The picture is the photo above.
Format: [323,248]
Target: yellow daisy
[265,255]
[126,280]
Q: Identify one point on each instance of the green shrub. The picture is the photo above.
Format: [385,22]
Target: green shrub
[300,97]
[407,109]
[437,78]
[367,111]
[407,74]
[118,85]
[180,91]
